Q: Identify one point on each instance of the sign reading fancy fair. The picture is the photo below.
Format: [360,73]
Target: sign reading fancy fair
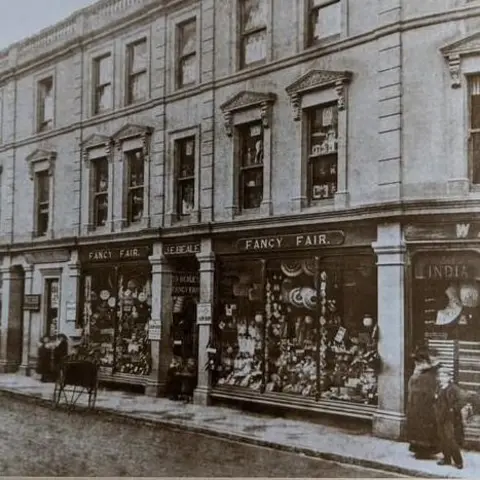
[289,242]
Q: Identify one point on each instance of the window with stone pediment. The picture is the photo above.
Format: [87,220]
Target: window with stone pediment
[322,151]
[187,53]
[100,191]
[185,176]
[250,165]
[474,128]
[135,184]
[253,32]
[324,19]
[137,55]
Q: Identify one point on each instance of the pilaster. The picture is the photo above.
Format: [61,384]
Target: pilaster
[161,350]
[206,261]
[25,367]
[389,420]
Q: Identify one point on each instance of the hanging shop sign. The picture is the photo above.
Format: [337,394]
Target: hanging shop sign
[289,242]
[31,302]
[443,231]
[204,313]
[154,329]
[115,254]
[185,284]
[177,249]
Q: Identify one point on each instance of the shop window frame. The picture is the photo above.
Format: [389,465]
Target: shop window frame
[172,200]
[315,89]
[327,261]
[98,85]
[244,108]
[94,148]
[116,271]
[42,162]
[129,138]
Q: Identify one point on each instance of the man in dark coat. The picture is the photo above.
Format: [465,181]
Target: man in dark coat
[421,423]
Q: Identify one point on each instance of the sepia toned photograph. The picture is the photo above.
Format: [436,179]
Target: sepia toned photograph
[240,238]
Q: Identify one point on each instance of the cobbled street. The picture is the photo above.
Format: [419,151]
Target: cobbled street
[38,441]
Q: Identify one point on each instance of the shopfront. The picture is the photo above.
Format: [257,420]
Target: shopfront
[116,300]
[445,293]
[296,320]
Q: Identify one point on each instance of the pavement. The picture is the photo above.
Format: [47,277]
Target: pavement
[312,439]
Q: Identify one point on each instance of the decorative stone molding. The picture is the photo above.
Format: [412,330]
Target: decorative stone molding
[317,80]
[41,160]
[454,52]
[248,100]
[94,141]
[130,131]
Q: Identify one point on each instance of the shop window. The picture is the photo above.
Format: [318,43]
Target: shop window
[324,19]
[474,129]
[299,326]
[187,53]
[322,151]
[116,311]
[135,180]
[103,75]
[251,165]
[447,313]
[45,104]
[137,83]
[185,177]
[100,191]
[52,305]
[253,32]
[42,187]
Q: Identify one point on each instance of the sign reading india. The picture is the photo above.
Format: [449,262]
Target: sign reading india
[298,241]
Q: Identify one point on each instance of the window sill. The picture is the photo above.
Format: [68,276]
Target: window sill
[92,230]
[125,226]
[323,41]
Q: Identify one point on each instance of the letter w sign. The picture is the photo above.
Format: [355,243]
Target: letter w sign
[462,230]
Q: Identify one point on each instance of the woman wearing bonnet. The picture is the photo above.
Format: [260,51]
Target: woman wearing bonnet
[421,422]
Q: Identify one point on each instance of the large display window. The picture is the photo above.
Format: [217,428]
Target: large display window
[116,312]
[446,312]
[301,325]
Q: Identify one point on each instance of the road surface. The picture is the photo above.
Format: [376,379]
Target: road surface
[39,441]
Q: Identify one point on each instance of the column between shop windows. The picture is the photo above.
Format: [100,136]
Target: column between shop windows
[206,261]
[27,323]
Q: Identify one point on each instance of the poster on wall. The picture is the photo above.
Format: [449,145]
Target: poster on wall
[204,313]
[71,312]
[154,329]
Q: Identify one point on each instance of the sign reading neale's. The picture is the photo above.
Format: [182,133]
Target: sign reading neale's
[288,242]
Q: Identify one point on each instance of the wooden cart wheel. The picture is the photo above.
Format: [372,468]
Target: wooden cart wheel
[59,386]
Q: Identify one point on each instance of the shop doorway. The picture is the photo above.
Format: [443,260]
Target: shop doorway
[184,334]
[52,300]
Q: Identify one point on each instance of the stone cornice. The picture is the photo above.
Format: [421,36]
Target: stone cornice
[11,64]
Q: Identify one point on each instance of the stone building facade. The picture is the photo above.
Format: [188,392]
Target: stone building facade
[300,177]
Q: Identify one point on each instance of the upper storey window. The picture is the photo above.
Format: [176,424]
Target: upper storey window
[103,84]
[137,88]
[253,28]
[45,104]
[474,128]
[324,20]
[187,54]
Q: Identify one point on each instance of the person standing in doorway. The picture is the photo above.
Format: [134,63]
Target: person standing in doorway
[421,422]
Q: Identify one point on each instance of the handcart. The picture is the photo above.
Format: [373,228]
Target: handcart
[74,378]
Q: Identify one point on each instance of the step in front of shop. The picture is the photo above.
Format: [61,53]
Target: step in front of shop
[295,402]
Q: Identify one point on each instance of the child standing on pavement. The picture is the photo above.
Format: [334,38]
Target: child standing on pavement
[449,419]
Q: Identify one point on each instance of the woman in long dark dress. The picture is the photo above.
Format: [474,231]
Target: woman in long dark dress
[421,422]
